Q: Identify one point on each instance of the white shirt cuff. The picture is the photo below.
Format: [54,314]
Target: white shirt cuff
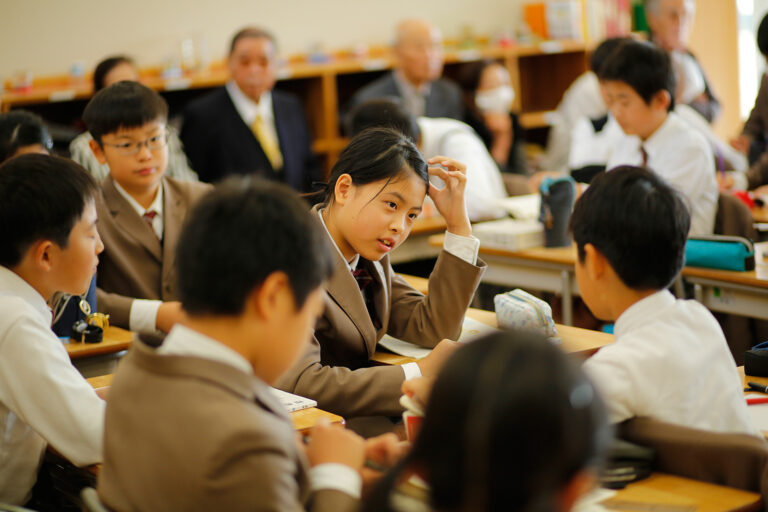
[411,370]
[143,315]
[464,247]
[337,477]
[739,180]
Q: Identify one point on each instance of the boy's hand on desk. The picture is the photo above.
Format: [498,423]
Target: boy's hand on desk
[381,453]
[335,444]
[449,200]
[168,315]
[430,365]
[419,389]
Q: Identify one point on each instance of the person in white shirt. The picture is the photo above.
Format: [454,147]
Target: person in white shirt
[639,86]
[447,137]
[50,244]
[581,99]
[670,360]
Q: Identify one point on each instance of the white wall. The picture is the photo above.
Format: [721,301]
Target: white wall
[48,36]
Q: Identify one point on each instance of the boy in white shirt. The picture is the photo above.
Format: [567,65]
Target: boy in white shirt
[50,244]
[639,84]
[670,360]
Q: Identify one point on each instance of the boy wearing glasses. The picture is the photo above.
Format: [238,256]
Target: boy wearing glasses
[140,210]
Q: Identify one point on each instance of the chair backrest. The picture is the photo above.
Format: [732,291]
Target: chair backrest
[91,501]
[733,218]
[733,460]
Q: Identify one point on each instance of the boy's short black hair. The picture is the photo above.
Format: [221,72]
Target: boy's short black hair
[41,198]
[123,105]
[762,36]
[643,66]
[238,235]
[19,128]
[638,222]
[105,66]
[384,113]
[255,32]
[603,51]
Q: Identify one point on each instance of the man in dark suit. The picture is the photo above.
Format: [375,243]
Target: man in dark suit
[418,51]
[247,127]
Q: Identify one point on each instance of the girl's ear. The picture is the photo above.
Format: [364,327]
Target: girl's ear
[342,191]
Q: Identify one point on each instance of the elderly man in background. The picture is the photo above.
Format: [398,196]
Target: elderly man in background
[671,22]
[418,52]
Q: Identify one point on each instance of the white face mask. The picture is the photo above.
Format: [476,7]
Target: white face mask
[498,99]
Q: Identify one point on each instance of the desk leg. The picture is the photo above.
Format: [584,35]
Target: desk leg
[567,298]
[698,293]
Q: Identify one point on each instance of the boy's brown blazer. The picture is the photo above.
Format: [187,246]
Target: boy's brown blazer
[135,264]
[186,433]
[335,371]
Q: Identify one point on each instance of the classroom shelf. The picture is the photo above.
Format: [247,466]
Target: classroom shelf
[540,74]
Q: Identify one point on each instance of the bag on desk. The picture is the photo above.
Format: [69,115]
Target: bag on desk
[557,198]
[756,360]
[721,252]
[519,309]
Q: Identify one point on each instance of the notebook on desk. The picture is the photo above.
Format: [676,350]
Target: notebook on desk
[470,330]
[510,234]
[524,207]
[291,402]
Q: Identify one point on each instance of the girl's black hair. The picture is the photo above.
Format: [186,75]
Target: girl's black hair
[377,154]
[105,66]
[511,420]
[20,128]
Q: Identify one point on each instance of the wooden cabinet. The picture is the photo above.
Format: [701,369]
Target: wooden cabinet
[540,74]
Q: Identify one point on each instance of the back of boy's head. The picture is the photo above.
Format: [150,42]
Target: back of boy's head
[762,36]
[643,66]
[239,234]
[603,51]
[384,113]
[377,154]
[20,128]
[123,105]
[638,222]
[105,66]
[500,430]
[41,198]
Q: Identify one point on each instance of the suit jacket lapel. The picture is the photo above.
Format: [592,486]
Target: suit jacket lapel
[173,218]
[381,300]
[128,221]
[344,290]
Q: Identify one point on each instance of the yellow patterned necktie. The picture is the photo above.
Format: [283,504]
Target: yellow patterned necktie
[268,142]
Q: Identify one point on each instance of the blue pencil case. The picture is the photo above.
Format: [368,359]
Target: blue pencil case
[721,252]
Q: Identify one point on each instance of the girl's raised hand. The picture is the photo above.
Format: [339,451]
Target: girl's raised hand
[449,200]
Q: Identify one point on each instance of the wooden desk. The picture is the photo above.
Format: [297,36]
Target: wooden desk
[739,293]
[668,493]
[760,214]
[302,420]
[580,342]
[417,246]
[115,340]
[537,268]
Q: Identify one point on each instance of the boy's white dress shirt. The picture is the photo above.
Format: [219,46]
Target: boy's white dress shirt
[684,159]
[43,398]
[670,361]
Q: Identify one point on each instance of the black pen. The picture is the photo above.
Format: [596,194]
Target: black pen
[758,387]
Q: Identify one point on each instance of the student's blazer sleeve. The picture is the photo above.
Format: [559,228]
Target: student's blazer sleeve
[426,320]
[118,307]
[373,391]
[251,472]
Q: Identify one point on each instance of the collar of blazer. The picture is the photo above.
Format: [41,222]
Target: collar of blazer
[248,387]
[133,226]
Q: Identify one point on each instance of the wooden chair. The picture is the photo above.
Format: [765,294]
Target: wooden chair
[733,460]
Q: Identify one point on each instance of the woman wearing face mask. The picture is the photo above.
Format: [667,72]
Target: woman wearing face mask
[488,96]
